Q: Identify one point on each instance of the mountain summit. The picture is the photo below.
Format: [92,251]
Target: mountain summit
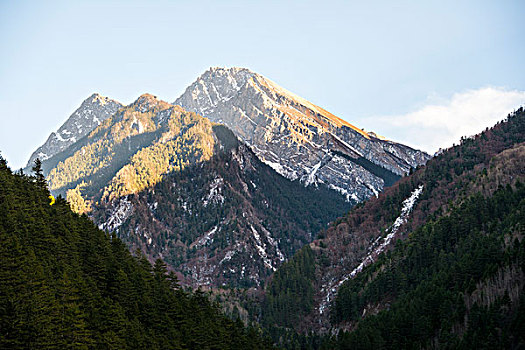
[297,138]
[93,111]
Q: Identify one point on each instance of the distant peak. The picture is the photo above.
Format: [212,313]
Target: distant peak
[147,100]
[97,98]
[231,69]
[230,80]
[147,96]
[235,77]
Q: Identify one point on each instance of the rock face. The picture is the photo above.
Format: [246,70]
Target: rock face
[297,138]
[93,111]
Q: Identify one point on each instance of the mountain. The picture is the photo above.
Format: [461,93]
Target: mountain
[297,138]
[437,260]
[185,190]
[93,111]
[67,284]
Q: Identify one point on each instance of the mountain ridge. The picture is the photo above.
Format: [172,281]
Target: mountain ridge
[113,172]
[166,179]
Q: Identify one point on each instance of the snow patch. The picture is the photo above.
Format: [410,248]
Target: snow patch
[42,156]
[272,241]
[246,116]
[261,249]
[59,137]
[138,124]
[119,214]
[215,195]
[228,256]
[201,242]
[311,176]
[153,206]
[374,191]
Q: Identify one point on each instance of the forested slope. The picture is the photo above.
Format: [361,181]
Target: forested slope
[66,284]
[457,282]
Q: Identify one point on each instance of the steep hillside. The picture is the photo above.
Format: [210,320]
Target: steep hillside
[457,282]
[179,188]
[93,111]
[461,216]
[297,138]
[66,284]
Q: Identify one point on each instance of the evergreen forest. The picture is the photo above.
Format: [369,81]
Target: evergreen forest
[65,284]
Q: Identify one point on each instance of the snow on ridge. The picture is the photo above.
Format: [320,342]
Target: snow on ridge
[346,144]
[408,205]
[275,166]
[85,118]
[348,196]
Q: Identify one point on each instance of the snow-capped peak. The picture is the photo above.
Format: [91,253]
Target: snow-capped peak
[293,135]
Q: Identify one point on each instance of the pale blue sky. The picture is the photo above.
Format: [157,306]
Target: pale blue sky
[361,60]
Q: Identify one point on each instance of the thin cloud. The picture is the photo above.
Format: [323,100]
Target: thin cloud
[440,125]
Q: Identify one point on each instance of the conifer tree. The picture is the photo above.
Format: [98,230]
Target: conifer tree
[39,175]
